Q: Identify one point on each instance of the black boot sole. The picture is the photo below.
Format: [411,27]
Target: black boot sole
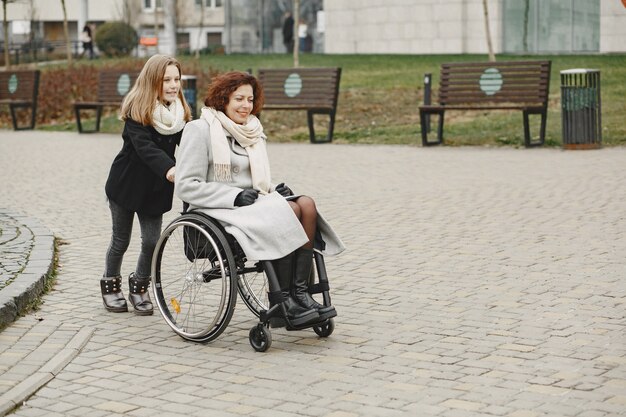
[115,309]
[143,312]
[304,321]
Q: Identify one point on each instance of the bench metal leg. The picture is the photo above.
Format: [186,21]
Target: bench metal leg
[311,123]
[424,121]
[528,142]
[77,110]
[14,118]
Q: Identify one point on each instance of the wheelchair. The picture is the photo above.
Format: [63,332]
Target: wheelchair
[197,271]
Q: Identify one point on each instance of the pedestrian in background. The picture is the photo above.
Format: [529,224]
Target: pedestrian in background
[87,39]
[141,179]
[288,32]
[303,30]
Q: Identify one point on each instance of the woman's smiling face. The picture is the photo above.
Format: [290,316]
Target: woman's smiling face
[240,104]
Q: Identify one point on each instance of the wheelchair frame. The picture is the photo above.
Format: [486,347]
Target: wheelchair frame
[196,267]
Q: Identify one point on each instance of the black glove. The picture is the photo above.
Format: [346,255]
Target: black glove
[246,197]
[283,190]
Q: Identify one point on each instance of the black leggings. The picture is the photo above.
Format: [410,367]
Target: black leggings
[122,220]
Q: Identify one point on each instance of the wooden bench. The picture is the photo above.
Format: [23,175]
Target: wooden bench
[19,89]
[113,85]
[312,89]
[513,85]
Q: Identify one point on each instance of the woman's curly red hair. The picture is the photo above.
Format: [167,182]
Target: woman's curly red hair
[222,86]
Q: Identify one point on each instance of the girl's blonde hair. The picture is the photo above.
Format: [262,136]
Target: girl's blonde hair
[139,103]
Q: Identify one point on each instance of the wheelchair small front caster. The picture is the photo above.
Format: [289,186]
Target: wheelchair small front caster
[325,329]
[260,338]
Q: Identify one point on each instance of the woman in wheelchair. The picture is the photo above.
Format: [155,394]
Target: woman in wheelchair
[223,171]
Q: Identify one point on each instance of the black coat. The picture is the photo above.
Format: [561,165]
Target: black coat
[137,177]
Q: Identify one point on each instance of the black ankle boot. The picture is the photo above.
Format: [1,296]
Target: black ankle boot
[296,314]
[112,296]
[300,288]
[139,295]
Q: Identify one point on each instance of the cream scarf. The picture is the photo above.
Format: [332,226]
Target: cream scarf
[168,120]
[250,136]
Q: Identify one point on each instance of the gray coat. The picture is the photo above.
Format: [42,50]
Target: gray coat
[265,230]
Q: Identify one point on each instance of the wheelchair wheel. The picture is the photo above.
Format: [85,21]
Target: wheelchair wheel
[325,329]
[194,278]
[260,338]
[253,287]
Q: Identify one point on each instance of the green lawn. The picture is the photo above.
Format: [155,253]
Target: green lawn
[380,95]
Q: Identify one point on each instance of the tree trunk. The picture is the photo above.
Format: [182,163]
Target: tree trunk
[169,26]
[296,38]
[526,11]
[5,26]
[492,56]
[68,46]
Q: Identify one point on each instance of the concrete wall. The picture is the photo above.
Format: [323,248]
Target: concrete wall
[612,26]
[410,26]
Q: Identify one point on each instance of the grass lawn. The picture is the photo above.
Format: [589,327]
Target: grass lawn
[379,96]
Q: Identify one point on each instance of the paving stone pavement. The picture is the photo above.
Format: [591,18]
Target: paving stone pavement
[477,282]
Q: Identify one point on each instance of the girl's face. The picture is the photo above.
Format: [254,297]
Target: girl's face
[240,104]
[171,84]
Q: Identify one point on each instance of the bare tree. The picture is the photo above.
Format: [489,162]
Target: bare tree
[492,56]
[5,28]
[200,31]
[526,11]
[68,47]
[169,25]
[296,38]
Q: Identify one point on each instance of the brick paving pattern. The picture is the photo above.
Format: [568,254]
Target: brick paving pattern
[15,245]
[477,282]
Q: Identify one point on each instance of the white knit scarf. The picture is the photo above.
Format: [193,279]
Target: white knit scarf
[250,136]
[168,120]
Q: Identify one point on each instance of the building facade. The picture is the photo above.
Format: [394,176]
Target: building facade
[458,26]
[339,26]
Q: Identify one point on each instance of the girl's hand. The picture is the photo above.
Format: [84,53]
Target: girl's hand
[171,174]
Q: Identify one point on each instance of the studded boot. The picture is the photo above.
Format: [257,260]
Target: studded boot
[139,295]
[296,314]
[300,285]
[112,296]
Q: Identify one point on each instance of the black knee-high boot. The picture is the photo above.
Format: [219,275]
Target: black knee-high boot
[300,286]
[295,313]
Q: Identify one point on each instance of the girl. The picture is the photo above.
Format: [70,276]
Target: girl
[141,179]
[224,172]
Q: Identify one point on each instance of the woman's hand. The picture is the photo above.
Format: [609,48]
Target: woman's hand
[171,174]
[283,190]
[246,197]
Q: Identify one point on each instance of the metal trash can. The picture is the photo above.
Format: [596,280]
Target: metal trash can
[190,92]
[581,109]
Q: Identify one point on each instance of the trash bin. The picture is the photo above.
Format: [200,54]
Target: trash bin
[581,109]
[190,92]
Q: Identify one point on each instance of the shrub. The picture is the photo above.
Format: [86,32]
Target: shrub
[116,39]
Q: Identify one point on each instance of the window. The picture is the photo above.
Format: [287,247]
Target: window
[149,4]
[551,26]
[209,3]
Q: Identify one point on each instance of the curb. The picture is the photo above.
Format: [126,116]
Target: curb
[30,282]
[22,391]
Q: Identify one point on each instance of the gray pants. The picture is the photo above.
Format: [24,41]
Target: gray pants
[122,229]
